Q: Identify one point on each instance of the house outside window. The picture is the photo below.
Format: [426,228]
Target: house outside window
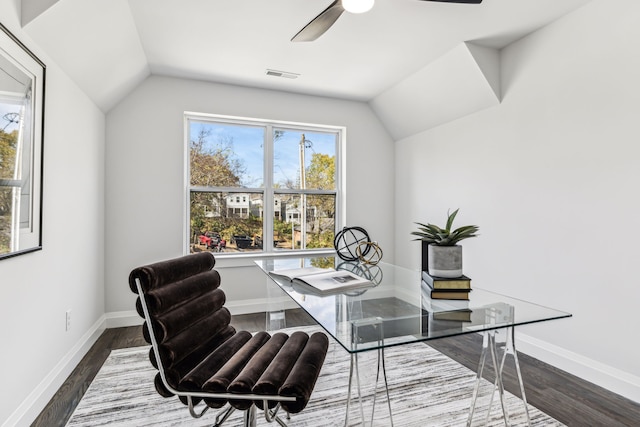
[249,181]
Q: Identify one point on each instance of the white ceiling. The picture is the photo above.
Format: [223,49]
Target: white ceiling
[109,46]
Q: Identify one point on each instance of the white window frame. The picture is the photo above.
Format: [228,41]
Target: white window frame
[268,199]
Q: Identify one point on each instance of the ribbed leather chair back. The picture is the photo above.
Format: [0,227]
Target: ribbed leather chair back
[201,352]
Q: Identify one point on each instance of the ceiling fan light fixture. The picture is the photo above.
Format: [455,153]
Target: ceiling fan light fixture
[357,6]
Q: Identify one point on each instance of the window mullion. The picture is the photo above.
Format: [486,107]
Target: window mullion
[201,189]
[11,182]
[307,192]
[268,204]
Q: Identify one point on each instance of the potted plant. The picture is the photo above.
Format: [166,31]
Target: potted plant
[441,253]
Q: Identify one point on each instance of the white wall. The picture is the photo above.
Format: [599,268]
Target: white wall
[551,177]
[37,288]
[145,176]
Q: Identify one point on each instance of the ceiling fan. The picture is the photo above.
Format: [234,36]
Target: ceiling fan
[321,23]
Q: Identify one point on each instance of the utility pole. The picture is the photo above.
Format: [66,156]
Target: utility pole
[303,197]
[302,171]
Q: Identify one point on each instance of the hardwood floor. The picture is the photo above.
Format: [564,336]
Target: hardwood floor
[564,397]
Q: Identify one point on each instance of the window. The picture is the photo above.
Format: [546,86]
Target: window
[262,186]
[21,112]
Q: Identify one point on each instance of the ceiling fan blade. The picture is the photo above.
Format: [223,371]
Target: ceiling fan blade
[458,1]
[320,23]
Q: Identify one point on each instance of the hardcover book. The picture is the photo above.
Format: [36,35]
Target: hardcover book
[458,294]
[463,315]
[462,282]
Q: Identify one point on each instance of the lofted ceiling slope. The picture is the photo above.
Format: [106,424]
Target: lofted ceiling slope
[109,46]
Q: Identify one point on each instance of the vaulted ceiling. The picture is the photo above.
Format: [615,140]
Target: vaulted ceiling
[109,46]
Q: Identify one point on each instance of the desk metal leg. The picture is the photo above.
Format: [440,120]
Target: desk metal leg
[381,364]
[498,382]
[483,357]
[489,344]
[512,349]
[386,386]
[354,363]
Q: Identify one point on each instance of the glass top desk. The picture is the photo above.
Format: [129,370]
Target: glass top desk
[395,311]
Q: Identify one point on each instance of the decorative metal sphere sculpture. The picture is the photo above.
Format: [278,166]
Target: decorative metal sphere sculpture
[369,252]
[347,241]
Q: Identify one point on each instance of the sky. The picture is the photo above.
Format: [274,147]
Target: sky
[249,141]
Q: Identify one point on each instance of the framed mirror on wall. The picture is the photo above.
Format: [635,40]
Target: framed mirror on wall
[22,84]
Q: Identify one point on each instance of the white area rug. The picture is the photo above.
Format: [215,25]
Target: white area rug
[427,389]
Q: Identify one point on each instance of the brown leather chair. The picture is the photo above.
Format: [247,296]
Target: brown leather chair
[201,357]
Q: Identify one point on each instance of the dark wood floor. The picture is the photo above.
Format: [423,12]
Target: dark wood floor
[564,397]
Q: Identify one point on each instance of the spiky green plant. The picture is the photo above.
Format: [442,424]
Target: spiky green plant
[435,235]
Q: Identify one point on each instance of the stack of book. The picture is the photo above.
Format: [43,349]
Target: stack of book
[446,288]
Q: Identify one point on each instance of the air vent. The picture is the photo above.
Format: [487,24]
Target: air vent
[283,74]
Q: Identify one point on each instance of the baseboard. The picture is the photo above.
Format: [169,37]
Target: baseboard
[121,319]
[35,402]
[608,377]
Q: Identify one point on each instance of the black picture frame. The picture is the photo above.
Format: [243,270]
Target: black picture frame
[22,98]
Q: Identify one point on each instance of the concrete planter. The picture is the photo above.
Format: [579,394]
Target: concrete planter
[444,261]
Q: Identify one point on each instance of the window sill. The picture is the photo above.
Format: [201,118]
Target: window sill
[234,260]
